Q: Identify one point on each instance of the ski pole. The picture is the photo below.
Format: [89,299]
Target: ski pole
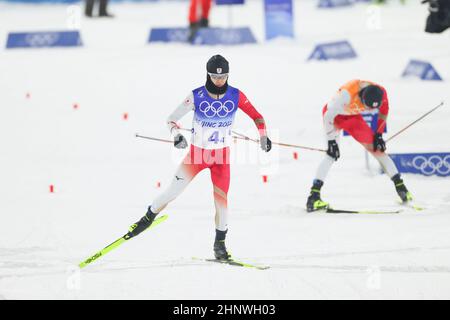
[415,121]
[155,139]
[298,147]
[244,137]
[239,135]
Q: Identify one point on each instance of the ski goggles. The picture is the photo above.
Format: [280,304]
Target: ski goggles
[218,76]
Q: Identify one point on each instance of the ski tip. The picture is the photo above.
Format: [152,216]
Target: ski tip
[412,205]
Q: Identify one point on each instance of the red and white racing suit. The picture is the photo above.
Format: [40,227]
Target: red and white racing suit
[211,136]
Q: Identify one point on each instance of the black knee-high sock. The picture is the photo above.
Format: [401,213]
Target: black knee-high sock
[220,235]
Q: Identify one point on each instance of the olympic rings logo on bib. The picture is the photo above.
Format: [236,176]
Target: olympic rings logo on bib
[432,165]
[216,108]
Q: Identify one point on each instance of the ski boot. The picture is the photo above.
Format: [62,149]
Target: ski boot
[220,251]
[141,225]
[204,23]
[193,28]
[403,193]
[314,202]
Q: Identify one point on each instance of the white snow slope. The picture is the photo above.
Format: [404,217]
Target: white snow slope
[104,177]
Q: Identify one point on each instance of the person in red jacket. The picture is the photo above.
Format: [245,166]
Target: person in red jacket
[198,16]
[343,112]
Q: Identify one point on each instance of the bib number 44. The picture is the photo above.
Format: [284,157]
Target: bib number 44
[215,138]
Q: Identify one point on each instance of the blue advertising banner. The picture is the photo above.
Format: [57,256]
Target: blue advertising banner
[204,36]
[279,20]
[371,118]
[168,35]
[229,2]
[228,36]
[334,3]
[427,164]
[334,50]
[43,39]
[422,70]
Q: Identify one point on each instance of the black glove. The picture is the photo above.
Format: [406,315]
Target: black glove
[333,149]
[266,144]
[378,142]
[180,142]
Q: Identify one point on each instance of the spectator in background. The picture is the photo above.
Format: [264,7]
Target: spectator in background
[439,19]
[198,16]
[102,11]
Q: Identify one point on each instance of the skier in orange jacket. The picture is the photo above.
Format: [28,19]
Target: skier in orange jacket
[343,112]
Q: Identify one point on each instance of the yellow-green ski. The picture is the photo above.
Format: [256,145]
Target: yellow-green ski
[412,205]
[235,263]
[331,210]
[117,243]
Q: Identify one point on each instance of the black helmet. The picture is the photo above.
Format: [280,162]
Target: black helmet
[217,65]
[371,96]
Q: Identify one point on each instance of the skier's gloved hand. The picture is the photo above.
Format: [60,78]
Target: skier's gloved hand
[378,142]
[180,141]
[333,149]
[266,144]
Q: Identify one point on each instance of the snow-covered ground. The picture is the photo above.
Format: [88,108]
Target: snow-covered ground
[104,177]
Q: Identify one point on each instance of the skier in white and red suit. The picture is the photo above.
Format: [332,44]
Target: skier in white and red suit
[215,105]
[343,112]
